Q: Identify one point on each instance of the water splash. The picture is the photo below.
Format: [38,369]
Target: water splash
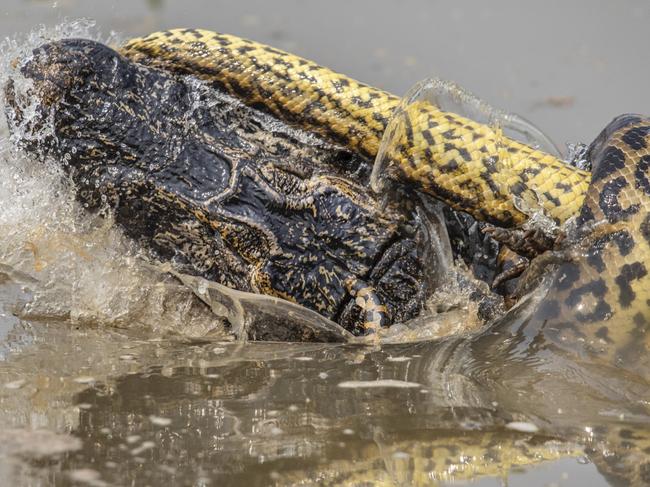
[81,269]
[76,266]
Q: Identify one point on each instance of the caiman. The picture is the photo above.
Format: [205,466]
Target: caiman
[237,193]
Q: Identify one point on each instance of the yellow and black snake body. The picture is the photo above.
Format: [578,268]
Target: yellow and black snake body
[599,301]
[476,169]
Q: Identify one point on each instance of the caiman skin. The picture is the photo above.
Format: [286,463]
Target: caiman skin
[225,191]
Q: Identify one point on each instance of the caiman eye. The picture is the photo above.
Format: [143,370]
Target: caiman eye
[283,181]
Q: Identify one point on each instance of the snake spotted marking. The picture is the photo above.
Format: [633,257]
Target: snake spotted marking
[450,157]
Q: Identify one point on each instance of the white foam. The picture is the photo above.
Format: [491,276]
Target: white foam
[382,383]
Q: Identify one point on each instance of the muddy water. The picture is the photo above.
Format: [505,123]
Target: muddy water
[113,374]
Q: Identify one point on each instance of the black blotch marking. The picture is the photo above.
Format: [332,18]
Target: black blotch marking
[595,259]
[645,228]
[518,188]
[552,198]
[629,273]
[532,171]
[222,41]
[378,117]
[609,203]
[360,102]
[635,137]
[450,167]
[272,50]
[450,135]
[603,334]
[586,214]
[640,321]
[641,174]
[623,241]
[611,159]
[598,289]
[429,138]
[464,154]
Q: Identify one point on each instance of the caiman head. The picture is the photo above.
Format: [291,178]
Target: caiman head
[222,190]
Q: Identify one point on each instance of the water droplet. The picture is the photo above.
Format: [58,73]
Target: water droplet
[159,421]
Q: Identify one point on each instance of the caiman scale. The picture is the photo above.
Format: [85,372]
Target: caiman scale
[257,207]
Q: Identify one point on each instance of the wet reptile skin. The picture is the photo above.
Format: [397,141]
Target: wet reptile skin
[471,167]
[468,165]
[225,191]
[599,300]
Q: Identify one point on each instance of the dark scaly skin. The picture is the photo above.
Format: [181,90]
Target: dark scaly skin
[227,192]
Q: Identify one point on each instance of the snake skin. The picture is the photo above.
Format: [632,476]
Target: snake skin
[468,165]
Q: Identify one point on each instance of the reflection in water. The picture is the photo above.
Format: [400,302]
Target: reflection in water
[248,414]
[149,410]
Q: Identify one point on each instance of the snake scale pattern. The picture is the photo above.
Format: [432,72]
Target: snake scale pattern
[468,165]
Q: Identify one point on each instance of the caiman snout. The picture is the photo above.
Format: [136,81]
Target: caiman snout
[55,68]
[224,191]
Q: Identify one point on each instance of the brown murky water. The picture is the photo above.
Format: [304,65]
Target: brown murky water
[114,375]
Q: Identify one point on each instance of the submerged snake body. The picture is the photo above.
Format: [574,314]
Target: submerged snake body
[468,165]
[599,300]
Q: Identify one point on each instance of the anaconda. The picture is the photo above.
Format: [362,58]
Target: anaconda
[467,165]
[471,167]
